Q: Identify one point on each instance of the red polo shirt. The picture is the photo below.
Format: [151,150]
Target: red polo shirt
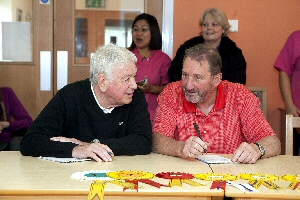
[235,118]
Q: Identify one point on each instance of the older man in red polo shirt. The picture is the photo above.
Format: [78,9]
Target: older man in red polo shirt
[203,113]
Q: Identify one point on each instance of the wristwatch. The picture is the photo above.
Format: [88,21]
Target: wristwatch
[261,149]
[96,141]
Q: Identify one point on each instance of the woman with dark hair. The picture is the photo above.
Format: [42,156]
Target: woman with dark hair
[153,64]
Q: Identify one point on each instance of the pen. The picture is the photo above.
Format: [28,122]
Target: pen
[199,135]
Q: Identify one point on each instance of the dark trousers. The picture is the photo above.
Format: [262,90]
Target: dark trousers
[4,146]
[14,145]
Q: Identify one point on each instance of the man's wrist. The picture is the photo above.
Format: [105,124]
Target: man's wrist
[261,149]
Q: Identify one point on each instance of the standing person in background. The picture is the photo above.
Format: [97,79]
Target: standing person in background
[214,30]
[288,65]
[13,118]
[152,64]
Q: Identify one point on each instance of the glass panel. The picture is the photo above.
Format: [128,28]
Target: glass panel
[118,32]
[16,38]
[81,37]
[111,23]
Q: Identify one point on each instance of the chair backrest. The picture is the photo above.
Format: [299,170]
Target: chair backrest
[291,122]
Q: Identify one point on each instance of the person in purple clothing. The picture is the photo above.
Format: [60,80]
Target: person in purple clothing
[13,117]
[152,64]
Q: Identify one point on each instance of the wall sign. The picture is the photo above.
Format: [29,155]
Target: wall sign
[95,3]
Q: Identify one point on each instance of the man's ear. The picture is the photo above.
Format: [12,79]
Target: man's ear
[217,79]
[102,82]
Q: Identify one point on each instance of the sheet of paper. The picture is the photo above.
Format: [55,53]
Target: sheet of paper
[243,187]
[65,160]
[214,159]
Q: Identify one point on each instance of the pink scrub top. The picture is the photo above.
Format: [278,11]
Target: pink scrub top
[156,69]
[289,61]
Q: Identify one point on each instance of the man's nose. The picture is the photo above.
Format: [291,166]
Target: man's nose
[133,83]
[189,83]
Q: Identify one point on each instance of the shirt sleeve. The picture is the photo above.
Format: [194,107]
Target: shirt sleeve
[165,119]
[48,124]
[254,123]
[285,60]
[16,109]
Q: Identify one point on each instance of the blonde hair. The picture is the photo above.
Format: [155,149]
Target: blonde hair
[219,16]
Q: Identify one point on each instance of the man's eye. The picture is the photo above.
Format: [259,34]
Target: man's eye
[127,80]
[198,78]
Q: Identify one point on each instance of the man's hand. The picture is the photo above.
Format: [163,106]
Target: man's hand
[194,147]
[96,151]
[246,153]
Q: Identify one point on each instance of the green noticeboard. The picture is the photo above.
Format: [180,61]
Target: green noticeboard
[95,3]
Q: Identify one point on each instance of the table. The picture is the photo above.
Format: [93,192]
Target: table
[278,165]
[30,178]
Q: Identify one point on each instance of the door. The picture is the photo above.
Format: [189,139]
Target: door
[53,35]
[24,76]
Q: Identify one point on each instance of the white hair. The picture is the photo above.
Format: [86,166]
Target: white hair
[106,58]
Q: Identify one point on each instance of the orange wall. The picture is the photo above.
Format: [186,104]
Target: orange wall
[264,26]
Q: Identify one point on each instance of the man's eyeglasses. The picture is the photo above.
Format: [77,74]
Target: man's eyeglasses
[143,30]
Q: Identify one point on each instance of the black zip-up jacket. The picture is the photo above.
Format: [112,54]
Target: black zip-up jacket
[233,61]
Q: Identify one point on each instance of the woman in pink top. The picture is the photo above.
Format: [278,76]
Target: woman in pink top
[153,64]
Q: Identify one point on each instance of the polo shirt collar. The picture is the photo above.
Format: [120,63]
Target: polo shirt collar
[220,101]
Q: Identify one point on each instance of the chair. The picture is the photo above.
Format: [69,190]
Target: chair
[262,94]
[291,122]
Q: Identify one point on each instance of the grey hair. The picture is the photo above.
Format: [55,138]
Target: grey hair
[106,58]
[219,16]
[201,52]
